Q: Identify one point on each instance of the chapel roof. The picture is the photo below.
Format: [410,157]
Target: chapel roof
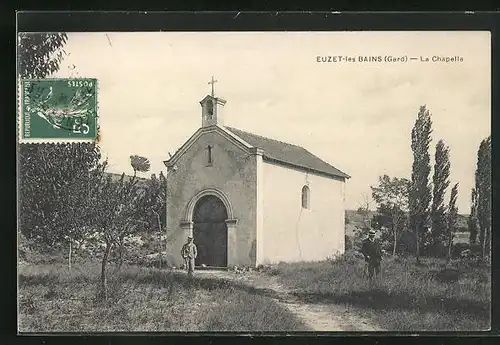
[288,154]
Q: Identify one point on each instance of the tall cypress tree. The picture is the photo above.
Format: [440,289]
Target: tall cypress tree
[452,219]
[472,221]
[440,181]
[483,188]
[420,190]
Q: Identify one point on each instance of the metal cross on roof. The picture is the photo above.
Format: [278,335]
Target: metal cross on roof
[212,82]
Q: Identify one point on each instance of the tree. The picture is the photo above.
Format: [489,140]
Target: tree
[155,206]
[40,55]
[55,182]
[364,210]
[483,189]
[420,191]
[391,197]
[452,218]
[472,220]
[105,203]
[441,182]
[118,210]
[115,204]
[139,163]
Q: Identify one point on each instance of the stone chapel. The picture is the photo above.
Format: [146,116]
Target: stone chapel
[249,200]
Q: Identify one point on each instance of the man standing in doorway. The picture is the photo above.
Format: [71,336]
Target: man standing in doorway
[189,253]
[372,253]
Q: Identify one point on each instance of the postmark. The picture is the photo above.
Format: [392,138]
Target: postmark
[58,110]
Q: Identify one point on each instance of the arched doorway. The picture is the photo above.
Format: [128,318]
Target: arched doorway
[210,231]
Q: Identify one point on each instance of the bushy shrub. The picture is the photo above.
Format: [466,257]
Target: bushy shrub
[348,243]
[31,251]
[351,255]
[23,248]
[457,249]
[406,243]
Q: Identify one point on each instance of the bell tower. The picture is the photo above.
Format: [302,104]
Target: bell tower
[211,108]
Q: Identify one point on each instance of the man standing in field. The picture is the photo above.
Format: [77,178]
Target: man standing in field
[372,253]
[189,253]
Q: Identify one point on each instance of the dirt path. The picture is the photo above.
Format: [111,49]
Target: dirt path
[321,317]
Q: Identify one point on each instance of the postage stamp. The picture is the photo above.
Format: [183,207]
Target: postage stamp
[58,110]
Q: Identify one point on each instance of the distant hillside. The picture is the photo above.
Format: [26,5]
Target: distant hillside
[354,220]
[115,176]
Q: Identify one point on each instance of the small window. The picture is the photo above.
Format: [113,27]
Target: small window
[305,197]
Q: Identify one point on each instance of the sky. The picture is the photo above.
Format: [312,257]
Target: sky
[357,116]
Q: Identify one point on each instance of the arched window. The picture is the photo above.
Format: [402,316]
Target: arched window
[306,197]
[210,109]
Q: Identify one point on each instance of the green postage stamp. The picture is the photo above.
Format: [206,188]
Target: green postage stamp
[58,110]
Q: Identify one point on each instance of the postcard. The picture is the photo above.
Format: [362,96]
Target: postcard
[254,181]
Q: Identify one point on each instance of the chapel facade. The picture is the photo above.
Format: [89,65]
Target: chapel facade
[249,200]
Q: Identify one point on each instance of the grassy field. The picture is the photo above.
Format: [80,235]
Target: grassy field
[51,299]
[430,297]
